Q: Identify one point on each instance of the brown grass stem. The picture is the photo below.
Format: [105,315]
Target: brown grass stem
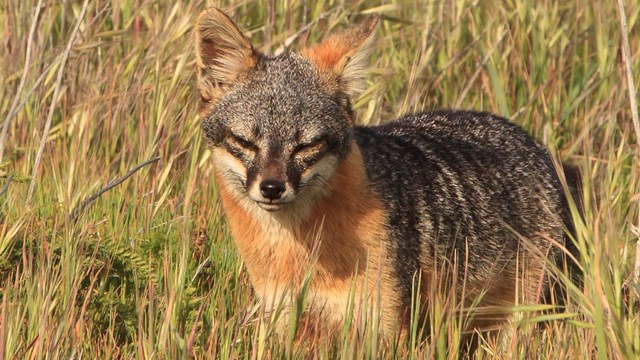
[626,55]
[110,185]
[25,72]
[54,100]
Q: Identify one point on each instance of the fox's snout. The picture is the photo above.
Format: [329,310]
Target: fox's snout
[273,196]
[271,193]
[272,189]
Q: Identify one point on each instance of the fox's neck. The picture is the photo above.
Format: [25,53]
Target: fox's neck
[336,232]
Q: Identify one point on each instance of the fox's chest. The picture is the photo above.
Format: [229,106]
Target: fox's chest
[282,261]
[283,270]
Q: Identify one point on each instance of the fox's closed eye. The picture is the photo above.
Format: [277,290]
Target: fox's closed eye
[240,142]
[310,148]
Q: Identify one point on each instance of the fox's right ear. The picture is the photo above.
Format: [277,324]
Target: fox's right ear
[223,53]
[345,55]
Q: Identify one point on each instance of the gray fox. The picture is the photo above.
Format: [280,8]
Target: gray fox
[372,212]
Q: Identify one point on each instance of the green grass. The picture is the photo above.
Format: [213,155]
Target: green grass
[149,269]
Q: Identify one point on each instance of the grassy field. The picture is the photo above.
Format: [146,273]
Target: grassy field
[147,269]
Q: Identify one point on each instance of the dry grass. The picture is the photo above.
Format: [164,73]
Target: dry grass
[149,269]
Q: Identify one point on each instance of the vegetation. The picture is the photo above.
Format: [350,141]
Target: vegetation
[147,269]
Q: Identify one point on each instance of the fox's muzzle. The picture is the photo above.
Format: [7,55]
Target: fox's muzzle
[272,189]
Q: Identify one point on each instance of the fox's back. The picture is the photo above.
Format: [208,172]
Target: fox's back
[463,184]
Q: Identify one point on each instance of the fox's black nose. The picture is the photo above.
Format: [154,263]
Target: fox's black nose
[272,189]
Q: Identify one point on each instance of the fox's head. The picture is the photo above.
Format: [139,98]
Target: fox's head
[278,126]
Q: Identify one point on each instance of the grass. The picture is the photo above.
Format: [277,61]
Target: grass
[149,270]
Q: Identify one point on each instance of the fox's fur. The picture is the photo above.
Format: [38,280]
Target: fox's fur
[369,210]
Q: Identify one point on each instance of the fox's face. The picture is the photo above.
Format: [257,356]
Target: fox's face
[278,134]
[277,126]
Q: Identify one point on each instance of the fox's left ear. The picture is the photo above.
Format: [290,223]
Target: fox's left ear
[345,56]
[223,53]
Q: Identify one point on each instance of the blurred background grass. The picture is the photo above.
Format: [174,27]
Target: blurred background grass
[149,269]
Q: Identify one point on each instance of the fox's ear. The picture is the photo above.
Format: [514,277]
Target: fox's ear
[346,55]
[223,53]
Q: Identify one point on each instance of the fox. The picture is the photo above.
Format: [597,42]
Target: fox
[370,213]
